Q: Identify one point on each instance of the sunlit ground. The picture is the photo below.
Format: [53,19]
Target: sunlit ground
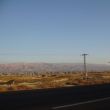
[24,82]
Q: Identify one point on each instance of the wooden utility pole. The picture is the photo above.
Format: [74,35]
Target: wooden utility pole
[85,66]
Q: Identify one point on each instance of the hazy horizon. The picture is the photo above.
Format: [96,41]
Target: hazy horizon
[53,63]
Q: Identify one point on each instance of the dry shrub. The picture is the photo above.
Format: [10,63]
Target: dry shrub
[23,87]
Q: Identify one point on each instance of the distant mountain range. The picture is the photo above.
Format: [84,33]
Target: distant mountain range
[48,67]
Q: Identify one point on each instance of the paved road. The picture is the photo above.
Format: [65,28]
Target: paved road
[72,98]
[97,104]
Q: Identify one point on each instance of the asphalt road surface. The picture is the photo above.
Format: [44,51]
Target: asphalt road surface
[70,98]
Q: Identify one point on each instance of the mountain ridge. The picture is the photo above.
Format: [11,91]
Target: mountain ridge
[51,67]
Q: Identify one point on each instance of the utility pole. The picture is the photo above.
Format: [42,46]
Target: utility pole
[109,62]
[85,67]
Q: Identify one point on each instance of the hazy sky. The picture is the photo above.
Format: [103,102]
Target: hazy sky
[54,30]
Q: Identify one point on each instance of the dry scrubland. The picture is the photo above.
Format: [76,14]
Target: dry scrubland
[23,82]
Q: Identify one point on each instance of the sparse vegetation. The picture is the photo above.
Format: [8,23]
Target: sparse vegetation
[15,82]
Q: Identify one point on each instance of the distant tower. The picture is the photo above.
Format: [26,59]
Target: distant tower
[85,66]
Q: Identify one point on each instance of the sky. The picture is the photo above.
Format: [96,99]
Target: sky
[54,31]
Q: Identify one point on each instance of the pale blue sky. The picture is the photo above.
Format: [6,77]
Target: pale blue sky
[54,30]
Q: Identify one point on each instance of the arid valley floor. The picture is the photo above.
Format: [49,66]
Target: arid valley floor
[56,80]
